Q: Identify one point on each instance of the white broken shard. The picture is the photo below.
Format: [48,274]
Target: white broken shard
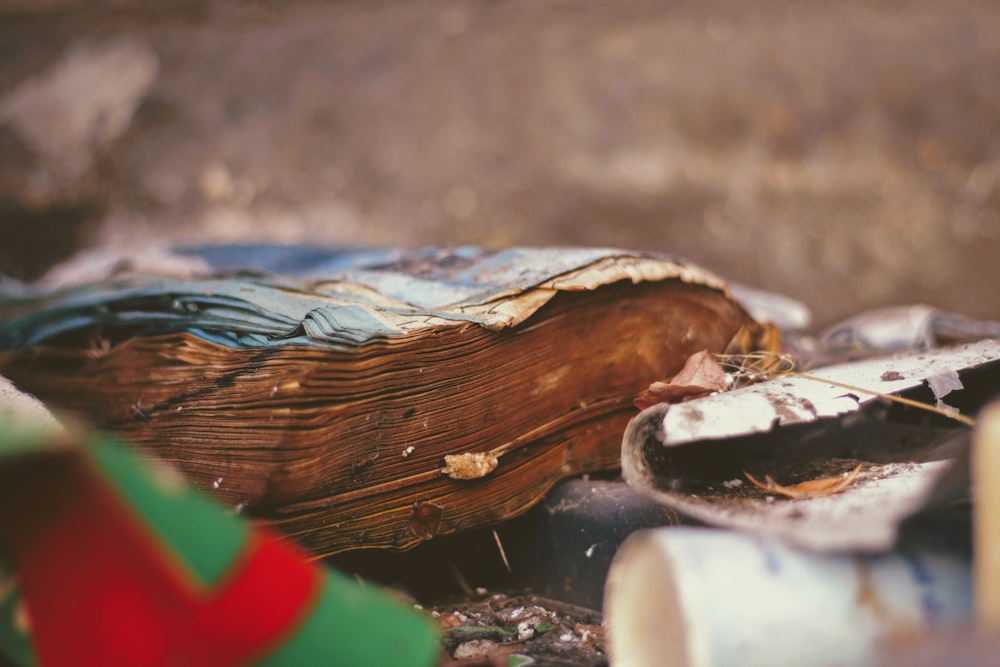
[896,481]
[942,384]
[787,400]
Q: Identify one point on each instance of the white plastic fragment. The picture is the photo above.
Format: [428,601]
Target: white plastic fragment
[728,598]
[942,384]
[792,400]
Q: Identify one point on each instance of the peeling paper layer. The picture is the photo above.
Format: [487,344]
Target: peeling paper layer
[331,296]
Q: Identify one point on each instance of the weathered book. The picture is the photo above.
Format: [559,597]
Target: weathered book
[373,398]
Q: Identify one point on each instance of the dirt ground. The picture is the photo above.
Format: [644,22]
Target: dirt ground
[843,153]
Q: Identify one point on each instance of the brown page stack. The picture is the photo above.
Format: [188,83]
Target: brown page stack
[376,400]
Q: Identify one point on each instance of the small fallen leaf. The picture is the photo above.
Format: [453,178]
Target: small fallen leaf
[702,375]
[425,519]
[813,488]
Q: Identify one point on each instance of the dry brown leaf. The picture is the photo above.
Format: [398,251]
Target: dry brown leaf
[425,519]
[813,488]
[701,375]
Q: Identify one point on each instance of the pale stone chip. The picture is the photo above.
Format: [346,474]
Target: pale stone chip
[471,465]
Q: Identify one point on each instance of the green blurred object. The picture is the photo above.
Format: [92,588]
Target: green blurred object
[118,562]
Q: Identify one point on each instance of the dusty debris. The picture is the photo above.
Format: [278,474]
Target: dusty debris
[527,629]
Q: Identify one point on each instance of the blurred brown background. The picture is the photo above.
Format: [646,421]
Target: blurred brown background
[845,153]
